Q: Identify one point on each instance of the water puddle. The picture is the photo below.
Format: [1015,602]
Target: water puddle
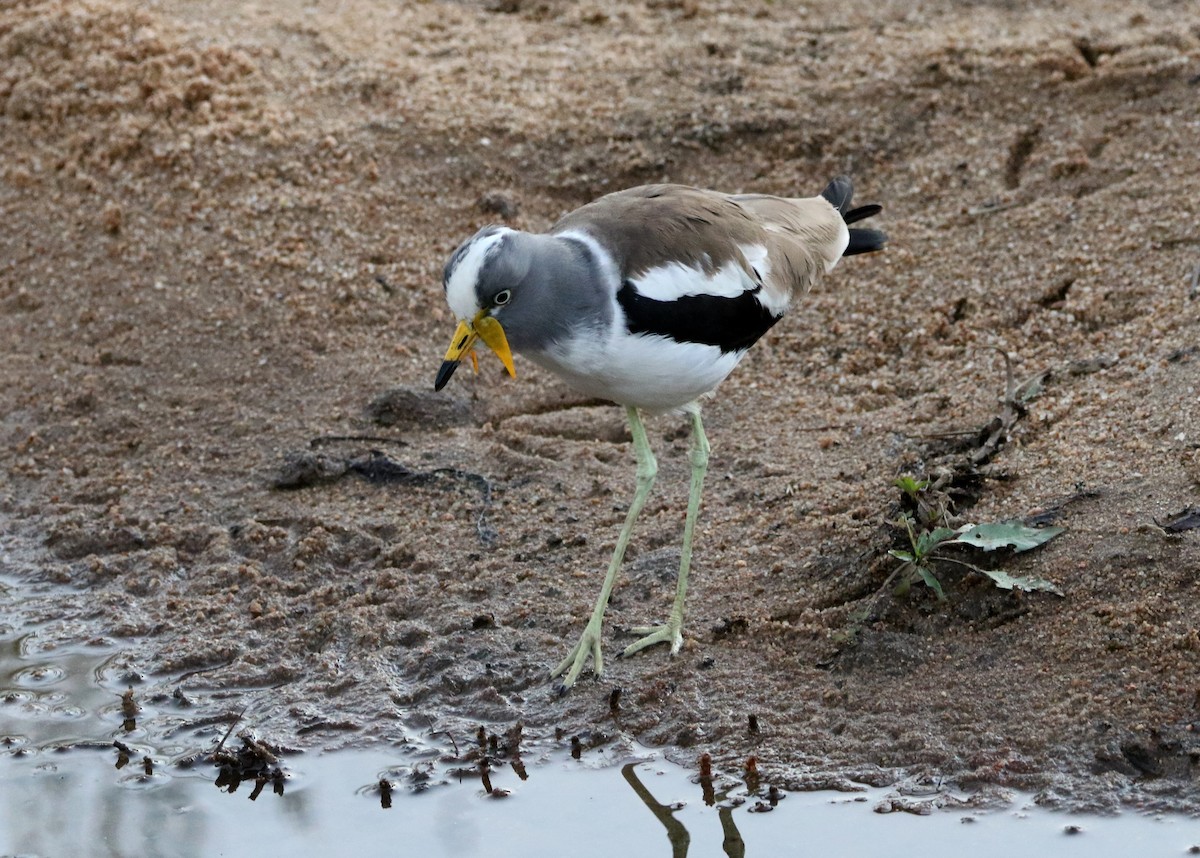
[78,778]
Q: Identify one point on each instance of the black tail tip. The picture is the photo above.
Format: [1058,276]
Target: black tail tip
[839,192]
[865,241]
[861,213]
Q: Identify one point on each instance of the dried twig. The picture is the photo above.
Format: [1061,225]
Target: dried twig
[322,440]
[232,726]
[433,731]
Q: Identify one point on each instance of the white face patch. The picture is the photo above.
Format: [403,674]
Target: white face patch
[460,288]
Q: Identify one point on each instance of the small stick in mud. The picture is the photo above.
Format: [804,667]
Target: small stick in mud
[512,740]
[614,703]
[129,706]
[148,765]
[576,748]
[129,709]
[485,775]
[752,776]
[435,733]
[323,440]
[385,793]
[706,780]
[124,752]
[753,724]
[232,726]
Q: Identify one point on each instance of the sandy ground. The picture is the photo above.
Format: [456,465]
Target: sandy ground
[220,317]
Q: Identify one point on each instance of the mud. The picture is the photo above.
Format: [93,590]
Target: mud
[220,318]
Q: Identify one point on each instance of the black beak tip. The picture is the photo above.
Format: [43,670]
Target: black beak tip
[444,373]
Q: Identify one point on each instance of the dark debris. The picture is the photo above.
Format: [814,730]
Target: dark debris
[255,760]
[1186,519]
[306,469]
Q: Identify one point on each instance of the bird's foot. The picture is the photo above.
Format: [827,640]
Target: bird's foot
[670,633]
[573,664]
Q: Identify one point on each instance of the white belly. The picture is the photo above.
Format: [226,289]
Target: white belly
[648,371]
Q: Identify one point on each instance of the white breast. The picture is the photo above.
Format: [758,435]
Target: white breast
[650,372]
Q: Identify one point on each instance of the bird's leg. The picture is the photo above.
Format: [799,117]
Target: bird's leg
[672,631]
[589,641]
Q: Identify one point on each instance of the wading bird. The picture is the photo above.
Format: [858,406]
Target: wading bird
[647,297]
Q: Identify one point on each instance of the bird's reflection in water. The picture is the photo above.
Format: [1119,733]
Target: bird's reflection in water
[679,836]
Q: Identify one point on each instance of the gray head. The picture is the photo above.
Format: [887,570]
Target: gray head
[538,287]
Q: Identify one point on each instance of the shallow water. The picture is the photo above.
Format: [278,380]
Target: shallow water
[60,712]
[74,803]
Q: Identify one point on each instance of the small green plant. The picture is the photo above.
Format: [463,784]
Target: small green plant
[911,486]
[926,547]
[916,561]
[922,501]
[931,543]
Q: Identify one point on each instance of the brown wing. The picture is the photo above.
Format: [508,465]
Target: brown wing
[807,239]
[655,225]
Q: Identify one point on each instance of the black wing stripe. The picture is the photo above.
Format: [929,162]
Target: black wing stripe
[730,324]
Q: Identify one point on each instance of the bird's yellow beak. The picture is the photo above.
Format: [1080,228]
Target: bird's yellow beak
[485,328]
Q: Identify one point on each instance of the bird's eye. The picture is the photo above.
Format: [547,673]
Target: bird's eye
[502,297]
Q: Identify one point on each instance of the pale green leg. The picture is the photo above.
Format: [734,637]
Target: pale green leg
[589,641]
[672,631]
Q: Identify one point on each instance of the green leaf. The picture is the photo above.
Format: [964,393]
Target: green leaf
[902,555]
[931,539]
[910,485]
[1000,534]
[1021,582]
[931,581]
